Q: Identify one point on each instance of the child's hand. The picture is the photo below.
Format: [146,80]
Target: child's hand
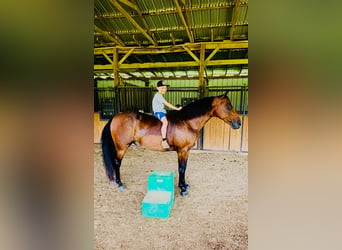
[177,107]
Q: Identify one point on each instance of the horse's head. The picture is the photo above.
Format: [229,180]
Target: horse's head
[224,110]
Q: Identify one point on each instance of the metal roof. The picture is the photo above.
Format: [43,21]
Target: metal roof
[170,23]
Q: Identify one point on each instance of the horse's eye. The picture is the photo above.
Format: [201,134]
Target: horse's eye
[229,106]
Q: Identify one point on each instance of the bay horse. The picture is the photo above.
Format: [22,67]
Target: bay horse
[183,130]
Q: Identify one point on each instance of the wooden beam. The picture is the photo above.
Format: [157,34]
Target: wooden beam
[116,67]
[126,55]
[171,64]
[201,69]
[99,42]
[132,21]
[158,65]
[186,15]
[136,41]
[107,57]
[108,36]
[191,54]
[109,29]
[130,4]
[228,45]
[135,7]
[191,38]
[227,62]
[176,48]
[211,55]
[99,67]
[180,28]
[160,77]
[234,19]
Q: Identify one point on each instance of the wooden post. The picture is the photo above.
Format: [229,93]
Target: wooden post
[202,87]
[116,66]
[201,69]
[202,81]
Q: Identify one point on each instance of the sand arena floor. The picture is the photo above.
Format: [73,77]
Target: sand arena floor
[213,216]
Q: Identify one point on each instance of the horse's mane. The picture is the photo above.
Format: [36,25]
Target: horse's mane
[192,110]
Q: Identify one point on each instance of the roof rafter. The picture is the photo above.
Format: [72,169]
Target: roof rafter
[234,19]
[99,42]
[109,28]
[173,29]
[130,4]
[185,24]
[132,21]
[135,7]
[136,40]
[187,18]
[174,10]
[109,37]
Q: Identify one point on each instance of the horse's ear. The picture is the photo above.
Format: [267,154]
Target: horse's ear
[224,95]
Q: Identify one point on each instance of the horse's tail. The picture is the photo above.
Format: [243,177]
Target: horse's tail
[108,150]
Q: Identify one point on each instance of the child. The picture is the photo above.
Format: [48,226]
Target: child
[159,111]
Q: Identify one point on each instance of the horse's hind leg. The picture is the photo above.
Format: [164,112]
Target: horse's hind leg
[117,164]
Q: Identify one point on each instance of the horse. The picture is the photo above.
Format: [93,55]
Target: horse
[184,126]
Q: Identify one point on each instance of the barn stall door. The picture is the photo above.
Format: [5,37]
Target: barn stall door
[217,135]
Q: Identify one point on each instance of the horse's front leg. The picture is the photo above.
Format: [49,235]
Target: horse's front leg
[182,162]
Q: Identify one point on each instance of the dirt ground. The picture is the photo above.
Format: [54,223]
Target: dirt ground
[213,216]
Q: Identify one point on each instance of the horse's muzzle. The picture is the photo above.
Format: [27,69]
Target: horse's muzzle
[236,124]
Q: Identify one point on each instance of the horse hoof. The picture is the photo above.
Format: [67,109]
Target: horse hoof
[187,187]
[122,187]
[184,193]
[112,182]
